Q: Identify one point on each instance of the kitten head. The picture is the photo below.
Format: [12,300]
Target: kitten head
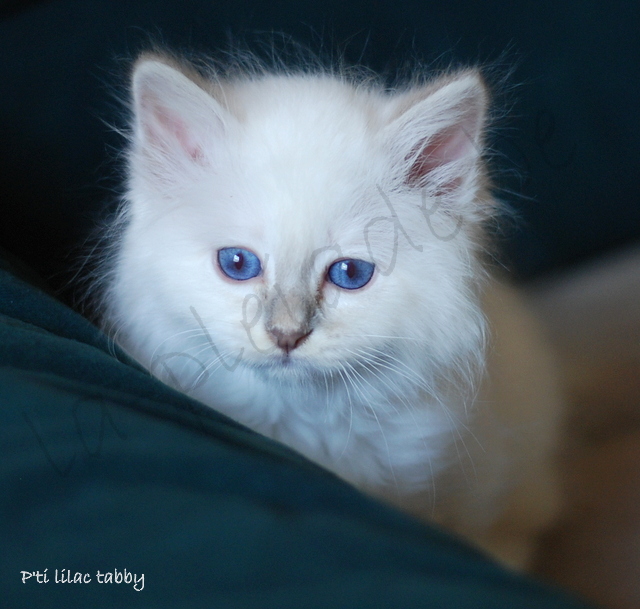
[301,225]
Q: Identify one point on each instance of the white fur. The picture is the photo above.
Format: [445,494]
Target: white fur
[304,169]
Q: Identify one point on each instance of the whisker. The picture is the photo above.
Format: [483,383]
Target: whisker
[409,338]
[380,426]
[383,378]
[195,332]
[390,362]
[350,412]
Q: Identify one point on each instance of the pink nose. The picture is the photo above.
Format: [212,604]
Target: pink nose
[288,341]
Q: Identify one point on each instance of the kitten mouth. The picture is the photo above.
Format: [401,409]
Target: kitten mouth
[285,367]
[285,361]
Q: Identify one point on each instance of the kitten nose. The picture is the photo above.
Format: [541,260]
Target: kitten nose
[288,341]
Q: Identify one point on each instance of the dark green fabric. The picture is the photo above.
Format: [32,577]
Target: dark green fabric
[103,468]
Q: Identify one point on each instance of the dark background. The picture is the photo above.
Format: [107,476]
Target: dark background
[567,146]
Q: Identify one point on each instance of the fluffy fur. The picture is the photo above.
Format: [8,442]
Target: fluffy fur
[386,388]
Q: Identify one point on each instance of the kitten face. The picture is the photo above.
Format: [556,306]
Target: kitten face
[299,225]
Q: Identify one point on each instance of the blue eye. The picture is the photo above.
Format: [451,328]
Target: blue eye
[350,274]
[238,263]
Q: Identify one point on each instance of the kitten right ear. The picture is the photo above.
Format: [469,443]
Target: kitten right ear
[177,123]
[436,140]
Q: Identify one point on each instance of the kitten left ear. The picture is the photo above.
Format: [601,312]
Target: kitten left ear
[437,138]
[177,123]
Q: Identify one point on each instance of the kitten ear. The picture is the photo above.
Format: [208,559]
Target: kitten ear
[437,139]
[177,123]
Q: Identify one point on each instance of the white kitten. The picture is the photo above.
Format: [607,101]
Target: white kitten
[300,251]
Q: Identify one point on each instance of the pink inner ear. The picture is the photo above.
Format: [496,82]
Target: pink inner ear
[445,147]
[165,129]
